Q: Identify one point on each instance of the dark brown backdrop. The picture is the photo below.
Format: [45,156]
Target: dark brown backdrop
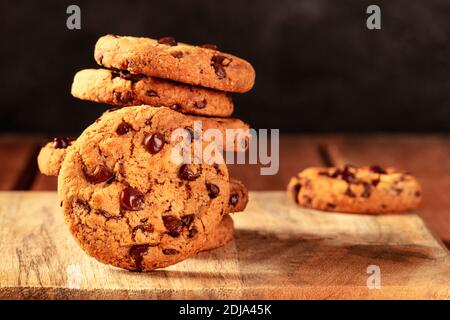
[318,67]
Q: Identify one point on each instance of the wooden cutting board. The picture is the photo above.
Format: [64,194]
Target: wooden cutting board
[279,252]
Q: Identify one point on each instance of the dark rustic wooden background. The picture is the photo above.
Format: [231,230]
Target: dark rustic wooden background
[318,67]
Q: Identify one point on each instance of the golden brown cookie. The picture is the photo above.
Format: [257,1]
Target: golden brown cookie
[126,89]
[52,155]
[370,190]
[168,59]
[238,196]
[221,236]
[126,199]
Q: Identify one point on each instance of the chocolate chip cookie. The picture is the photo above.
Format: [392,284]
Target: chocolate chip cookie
[366,190]
[221,236]
[122,88]
[127,199]
[52,155]
[238,196]
[169,59]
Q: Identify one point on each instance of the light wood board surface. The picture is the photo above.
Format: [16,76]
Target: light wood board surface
[279,252]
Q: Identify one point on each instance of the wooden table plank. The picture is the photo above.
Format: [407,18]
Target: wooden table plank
[425,156]
[18,159]
[44,183]
[279,251]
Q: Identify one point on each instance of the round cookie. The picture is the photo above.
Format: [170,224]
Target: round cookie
[52,155]
[369,190]
[168,59]
[238,196]
[125,89]
[127,201]
[221,236]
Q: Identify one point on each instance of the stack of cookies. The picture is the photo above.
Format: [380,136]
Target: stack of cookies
[127,192]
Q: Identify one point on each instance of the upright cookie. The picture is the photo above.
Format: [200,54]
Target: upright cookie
[238,196]
[368,190]
[125,89]
[166,58]
[52,155]
[221,236]
[128,202]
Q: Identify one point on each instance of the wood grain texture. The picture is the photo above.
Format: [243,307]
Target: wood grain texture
[18,161]
[279,251]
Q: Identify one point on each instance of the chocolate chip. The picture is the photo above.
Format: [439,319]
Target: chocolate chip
[192,134]
[177,54]
[188,219]
[417,193]
[331,205]
[101,174]
[213,190]
[336,173]
[170,251]
[127,75]
[175,107]
[295,190]
[173,224]
[219,63]
[367,190]
[217,168]
[210,46]
[148,122]
[397,191]
[137,253]
[122,97]
[192,232]
[234,198]
[131,199]
[83,204]
[104,213]
[151,93]
[377,169]
[153,143]
[349,192]
[123,128]
[60,142]
[375,182]
[185,173]
[122,170]
[99,58]
[200,104]
[145,228]
[169,41]
[347,175]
